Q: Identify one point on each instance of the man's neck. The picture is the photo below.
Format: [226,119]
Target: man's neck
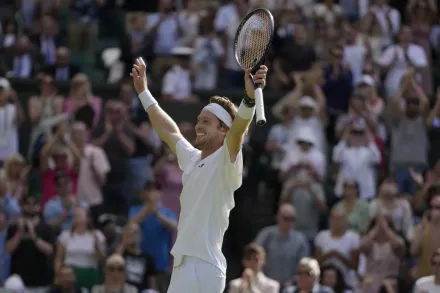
[206,152]
[283,231]
[437,280]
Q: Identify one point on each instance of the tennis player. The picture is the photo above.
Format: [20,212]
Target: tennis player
[211,174]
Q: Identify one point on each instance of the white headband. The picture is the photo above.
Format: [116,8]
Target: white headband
[220,113]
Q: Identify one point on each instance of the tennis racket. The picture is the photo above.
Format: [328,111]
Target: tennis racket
[251,46]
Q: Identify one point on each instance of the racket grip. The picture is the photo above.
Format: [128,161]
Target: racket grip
[259,106]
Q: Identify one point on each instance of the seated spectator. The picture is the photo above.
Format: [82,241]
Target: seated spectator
[333,278]
[355,156]
[426,240]
[10,35]
[59,210]
[409,144]
[339,246]
[15,175]
[81,248]
[384,250]
[23,63]
[93,170]
[82,98]
[12,115]
[30,243]
[396,208]
[177,84]
[284,246]
[66,282]
[114,277]
[158,225]
[430,284]
[62,70]
[307,278]
[48,40]
[253,279]
[8,203]
[140,270]
[54,157]
[356,209]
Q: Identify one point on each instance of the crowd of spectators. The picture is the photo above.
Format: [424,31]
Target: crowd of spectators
[353,163]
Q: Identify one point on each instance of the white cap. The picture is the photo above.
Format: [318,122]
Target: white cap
[367,79]
[309,102]
[305,134]
[4,84]
[182,51]
[14,283]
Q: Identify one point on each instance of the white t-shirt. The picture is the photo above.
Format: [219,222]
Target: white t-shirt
[177,83]
[426,285]
[80,248]
[206,200]
[8,131]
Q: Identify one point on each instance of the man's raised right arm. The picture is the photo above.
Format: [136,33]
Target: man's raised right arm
[162,123]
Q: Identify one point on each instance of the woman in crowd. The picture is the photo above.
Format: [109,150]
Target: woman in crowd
[356,209]
[114,277]
[81,248]
[384,250]
[396,208]
[332,277]
[16,175]
[82,103]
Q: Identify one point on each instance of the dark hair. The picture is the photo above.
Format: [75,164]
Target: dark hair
[341,285]
[356,185]
[253,249]
[433,191]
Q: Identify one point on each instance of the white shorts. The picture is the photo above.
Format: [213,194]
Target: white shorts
[194,275]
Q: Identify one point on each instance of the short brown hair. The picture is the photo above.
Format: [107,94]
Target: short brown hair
[227,104]
[253,249]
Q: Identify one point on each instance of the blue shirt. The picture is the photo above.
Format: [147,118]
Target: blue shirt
[338,91]
[11,207]
[156,238]
[4,257]
[54,208]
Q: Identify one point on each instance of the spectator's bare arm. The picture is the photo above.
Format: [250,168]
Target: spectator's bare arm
[59,257]
[47,148]
[416,243]
[289,100]
[435,111]
[396,107]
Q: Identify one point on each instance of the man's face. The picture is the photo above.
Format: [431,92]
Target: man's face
[208,129]
[306,112]
[435,208]
[29,207]
[126,93]
[63,57]
[60,158]
[435,263]
[63,186]
[286,218]
[412,107]
[405,35]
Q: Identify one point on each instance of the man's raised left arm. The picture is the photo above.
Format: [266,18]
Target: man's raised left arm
[239,127]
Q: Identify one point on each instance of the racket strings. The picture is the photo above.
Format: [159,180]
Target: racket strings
[253,40]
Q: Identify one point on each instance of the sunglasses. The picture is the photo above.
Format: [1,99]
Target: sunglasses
[113,269]
[305,273]
[288,218]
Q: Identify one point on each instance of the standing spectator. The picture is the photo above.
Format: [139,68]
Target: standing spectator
[83,24]
[284,246]
[23,63]
[93,169]
[85,106]
[140,270]
[409,146]
[157,224]
[430,284]
[169,29]
[398,58]
[30,243]
[384,250]
[356,209]
[177,84]
[339,247]
[426,241]
[116,139]
[16,176]
[388,18]
[59,210]
[396,208]
[253,279]
[114,277]
[140,161]
[54,157]
[356,155]
[62,70]
[307,278]
[12,115]
[81,248]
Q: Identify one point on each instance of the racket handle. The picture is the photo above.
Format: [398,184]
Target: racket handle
[259,106]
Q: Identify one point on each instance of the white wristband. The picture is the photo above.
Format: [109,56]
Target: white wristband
[147,99]
[245,112]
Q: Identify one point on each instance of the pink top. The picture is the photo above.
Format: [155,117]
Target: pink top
[49,191]
[95,102]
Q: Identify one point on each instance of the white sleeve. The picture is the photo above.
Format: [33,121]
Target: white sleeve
[387,56]
[418,56]
[64,238]
[339,151]
[168,84]
[221,19]
[185,154]
[233,171]
[395,21]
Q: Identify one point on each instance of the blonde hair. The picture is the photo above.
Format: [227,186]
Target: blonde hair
[312,264]
[16,158]
[81,77]
[115,258]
